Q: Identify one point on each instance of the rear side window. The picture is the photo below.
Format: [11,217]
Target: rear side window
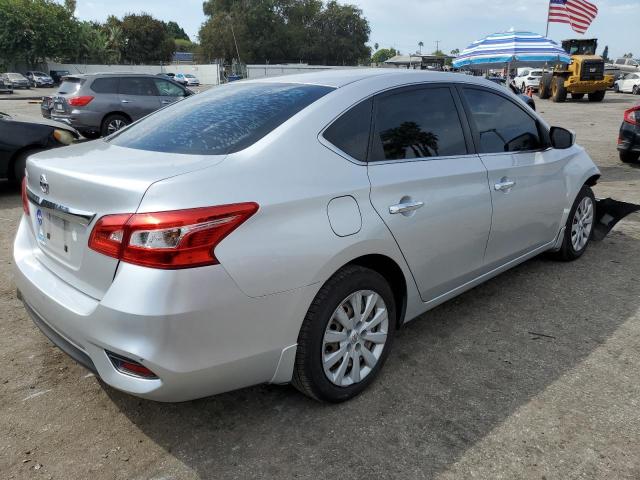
[350,132]
[70,85]
[417,123]
[137,86]
[222,120]
[502,125]
[105,85]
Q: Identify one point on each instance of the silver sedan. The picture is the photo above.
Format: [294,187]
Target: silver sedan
[282,230]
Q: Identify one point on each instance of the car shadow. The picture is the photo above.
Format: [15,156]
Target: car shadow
[453,376]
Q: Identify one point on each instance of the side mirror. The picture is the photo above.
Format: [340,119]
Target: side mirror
[562,138]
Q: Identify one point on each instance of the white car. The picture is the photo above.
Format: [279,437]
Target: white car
[186,79]
[280,230]
[528,78]
[629,84]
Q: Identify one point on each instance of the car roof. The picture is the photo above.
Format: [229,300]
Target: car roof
[340,77]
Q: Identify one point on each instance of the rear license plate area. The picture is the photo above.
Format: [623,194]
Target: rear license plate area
[59,107]
[53,233]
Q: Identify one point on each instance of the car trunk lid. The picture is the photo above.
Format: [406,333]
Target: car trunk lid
[72,187]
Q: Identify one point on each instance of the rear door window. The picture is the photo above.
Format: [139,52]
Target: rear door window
[350,132]
[418,123]
[502,126]
[141,86]
[222,120]
[105,85]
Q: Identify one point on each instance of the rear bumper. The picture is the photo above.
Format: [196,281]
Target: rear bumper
[193,328]
[629,138]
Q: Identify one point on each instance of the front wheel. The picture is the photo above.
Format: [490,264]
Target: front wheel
[558,90]
[579,226]
[346,335]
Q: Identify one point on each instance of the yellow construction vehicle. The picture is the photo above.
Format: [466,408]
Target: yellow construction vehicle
[584,75]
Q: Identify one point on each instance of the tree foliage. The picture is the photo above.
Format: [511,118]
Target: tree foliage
[147,39]
[280,31]
[176,32]
[383,55]
[605,53]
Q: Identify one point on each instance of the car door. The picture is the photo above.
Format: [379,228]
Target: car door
[168,92]
[428,187]
[526,177]
[138,96]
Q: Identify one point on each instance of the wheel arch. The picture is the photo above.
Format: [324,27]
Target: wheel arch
[116,112]
[14,158]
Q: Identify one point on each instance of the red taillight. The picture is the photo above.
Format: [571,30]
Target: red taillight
[170,240]
[79,101]
[632,115]
[25,199]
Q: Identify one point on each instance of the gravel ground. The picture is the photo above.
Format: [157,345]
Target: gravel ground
[533,375]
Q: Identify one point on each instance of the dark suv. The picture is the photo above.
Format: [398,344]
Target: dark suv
[102,103]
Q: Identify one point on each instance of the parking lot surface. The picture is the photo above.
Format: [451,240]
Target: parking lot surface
[535,375]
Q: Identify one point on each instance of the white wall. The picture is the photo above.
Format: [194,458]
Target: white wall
[207,74]
[262,71]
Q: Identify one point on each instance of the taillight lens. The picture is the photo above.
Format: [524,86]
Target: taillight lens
[169,240]
[80,101]
[25,199]
[632,115]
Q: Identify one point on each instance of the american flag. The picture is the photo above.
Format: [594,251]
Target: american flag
[577,13]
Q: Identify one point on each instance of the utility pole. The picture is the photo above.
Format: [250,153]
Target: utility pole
[438,45]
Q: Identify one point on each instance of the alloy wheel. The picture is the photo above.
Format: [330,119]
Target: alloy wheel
[582,224]
[355,338]
[115,125]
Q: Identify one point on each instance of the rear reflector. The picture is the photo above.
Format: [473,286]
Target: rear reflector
[130,367]
[25,200]
[80,101]
[169,240]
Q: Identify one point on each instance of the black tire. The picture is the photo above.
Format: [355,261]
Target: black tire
[636,90]
[20,163]
[568,252]
[524,88]
[629,157]
[90,134]
[112,123]
[577,96]
[558,91]
[597,96]
[308,375]
[544,90]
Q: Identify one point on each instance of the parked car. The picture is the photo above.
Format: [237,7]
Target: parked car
[17,80]
[529,78]
[5,85]
[512,87]
[187,79]
[167,74]
[281,230]
[629,136]
[621,66]
[100,104]
[39,79]
[58,75]
[630,83]
[21,137]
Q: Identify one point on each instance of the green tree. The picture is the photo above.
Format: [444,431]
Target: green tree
[628,55]
[420,45]
[455,52]
[605,53]
[176,32]
[383,55]
[145,40]
[182,45]
[34,30]
[70,5]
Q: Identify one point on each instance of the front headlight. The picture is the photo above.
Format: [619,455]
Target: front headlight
[63,136]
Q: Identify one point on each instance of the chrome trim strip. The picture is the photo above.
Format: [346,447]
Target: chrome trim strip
[72,215]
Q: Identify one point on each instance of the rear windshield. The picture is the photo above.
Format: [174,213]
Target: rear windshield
[536,73]
[223,120]
[16,76]
[70,85]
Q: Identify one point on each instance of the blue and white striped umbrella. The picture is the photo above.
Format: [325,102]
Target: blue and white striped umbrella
[511,47]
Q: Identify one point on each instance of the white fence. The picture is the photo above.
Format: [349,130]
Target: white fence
[262,71]
[207,74]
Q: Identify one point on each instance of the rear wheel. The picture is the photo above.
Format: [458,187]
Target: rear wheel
[346,335]
[558,91]
[629,157]
[112,123]
[577,96]
[579,226]
[544,91]
[597,96]
[20,163]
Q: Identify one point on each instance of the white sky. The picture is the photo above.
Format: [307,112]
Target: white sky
[404,23]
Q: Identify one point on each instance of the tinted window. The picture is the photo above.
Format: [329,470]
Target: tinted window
[105,85]
[137,86]
[350,132]
[70,85]
[502,125]
[417,124]
[222,120]
[168,89]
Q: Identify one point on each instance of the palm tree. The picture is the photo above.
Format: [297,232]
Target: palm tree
[420,45]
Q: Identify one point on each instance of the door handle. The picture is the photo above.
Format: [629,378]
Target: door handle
[165,102]
[125,101]
[405,207]
[504,184]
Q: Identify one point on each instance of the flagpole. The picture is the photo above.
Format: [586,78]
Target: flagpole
[548,8]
